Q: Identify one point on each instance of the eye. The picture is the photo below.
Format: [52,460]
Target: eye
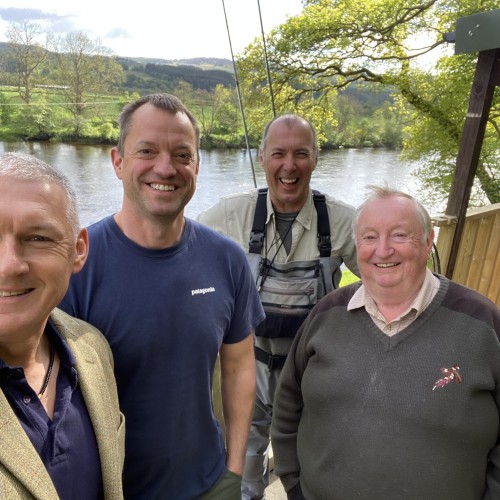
[145,153]
[185,158]
[400,237]
[38,238]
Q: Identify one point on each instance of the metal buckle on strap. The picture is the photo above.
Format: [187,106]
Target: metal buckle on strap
[324,245]
[256,242]
[273,361]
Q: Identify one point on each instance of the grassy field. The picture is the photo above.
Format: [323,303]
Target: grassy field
[348,278]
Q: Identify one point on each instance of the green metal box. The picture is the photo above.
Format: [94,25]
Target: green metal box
[478,32]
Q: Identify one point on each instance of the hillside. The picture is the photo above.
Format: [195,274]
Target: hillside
[145,75]
[161,75]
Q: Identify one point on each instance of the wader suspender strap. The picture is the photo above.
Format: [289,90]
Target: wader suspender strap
[259,224]
[324,242]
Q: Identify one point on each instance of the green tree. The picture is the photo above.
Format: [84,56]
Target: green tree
[227,113]
[27,55]
[86,73]
[389,43]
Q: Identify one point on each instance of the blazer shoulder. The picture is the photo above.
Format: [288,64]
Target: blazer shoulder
[79,331]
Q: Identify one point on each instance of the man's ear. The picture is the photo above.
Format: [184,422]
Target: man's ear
[117,161]
[82,250]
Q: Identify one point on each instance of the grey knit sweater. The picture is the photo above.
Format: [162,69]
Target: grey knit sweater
[415,416]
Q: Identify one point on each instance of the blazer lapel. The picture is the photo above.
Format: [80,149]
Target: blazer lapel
[95,388]
[18,455]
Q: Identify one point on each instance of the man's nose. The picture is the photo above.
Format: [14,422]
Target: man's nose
[289,161]
[12,260]
[385,246]
[164,165]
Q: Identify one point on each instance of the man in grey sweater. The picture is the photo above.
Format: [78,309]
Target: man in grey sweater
[392,387]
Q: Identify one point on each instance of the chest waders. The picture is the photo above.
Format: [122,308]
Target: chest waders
[288,291]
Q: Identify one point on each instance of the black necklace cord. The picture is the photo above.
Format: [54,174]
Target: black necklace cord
[49,371]
[267,267]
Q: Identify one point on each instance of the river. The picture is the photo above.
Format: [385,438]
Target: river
[340,173]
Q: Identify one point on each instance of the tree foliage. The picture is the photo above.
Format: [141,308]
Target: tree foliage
[396,44]
[27,55]
[85,71]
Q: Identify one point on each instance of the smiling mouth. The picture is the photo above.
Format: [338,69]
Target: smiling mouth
[162,187]
[289,181]
[15,294]
[387,265]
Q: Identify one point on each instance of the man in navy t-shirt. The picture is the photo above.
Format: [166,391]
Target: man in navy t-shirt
[170,295]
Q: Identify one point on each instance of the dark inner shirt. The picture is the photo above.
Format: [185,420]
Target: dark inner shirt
[284,222]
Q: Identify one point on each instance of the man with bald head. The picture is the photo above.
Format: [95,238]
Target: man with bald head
[298,240]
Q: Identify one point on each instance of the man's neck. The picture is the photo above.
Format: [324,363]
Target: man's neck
[393,305]
[151,233]
[22,349]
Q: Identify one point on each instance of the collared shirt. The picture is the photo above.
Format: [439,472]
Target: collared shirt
[233,217]
[361,298]
[66,444]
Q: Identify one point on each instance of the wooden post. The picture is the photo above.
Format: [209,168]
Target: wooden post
[486,78]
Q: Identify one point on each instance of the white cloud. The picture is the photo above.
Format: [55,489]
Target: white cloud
[169,29]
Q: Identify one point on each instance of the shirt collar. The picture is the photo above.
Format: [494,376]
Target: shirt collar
[304,217]
[427,291]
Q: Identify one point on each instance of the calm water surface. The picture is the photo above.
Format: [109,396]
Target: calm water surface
[342,173]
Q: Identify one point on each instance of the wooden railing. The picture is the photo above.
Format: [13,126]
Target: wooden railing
[478,260]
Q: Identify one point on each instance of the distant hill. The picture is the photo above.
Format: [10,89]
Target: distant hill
[161,75]
[206,63]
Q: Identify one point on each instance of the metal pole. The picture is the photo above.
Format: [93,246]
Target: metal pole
[239,97]
[267,63]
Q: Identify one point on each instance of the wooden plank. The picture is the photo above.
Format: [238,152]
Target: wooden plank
[487,210]
[465,252]
[493,263]
[444,241]
[494,290]
[479,251]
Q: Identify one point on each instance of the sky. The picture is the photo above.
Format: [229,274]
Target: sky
[168,29]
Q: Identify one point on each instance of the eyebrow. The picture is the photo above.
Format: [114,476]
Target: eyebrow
[45,226]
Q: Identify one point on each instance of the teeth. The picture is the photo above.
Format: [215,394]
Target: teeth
[13,294]
[289,181]
[392,264]
[162,187]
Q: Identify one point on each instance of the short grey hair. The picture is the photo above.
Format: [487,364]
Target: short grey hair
[382,192]
[291,120]
[22,166]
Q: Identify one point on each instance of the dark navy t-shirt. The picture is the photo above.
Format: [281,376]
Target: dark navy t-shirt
[165,314]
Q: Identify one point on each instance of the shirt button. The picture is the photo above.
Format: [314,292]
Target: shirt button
[26,400]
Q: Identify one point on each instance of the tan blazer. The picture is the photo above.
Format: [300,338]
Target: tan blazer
[22,473]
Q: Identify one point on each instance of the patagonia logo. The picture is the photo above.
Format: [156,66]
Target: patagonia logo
[202,291]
